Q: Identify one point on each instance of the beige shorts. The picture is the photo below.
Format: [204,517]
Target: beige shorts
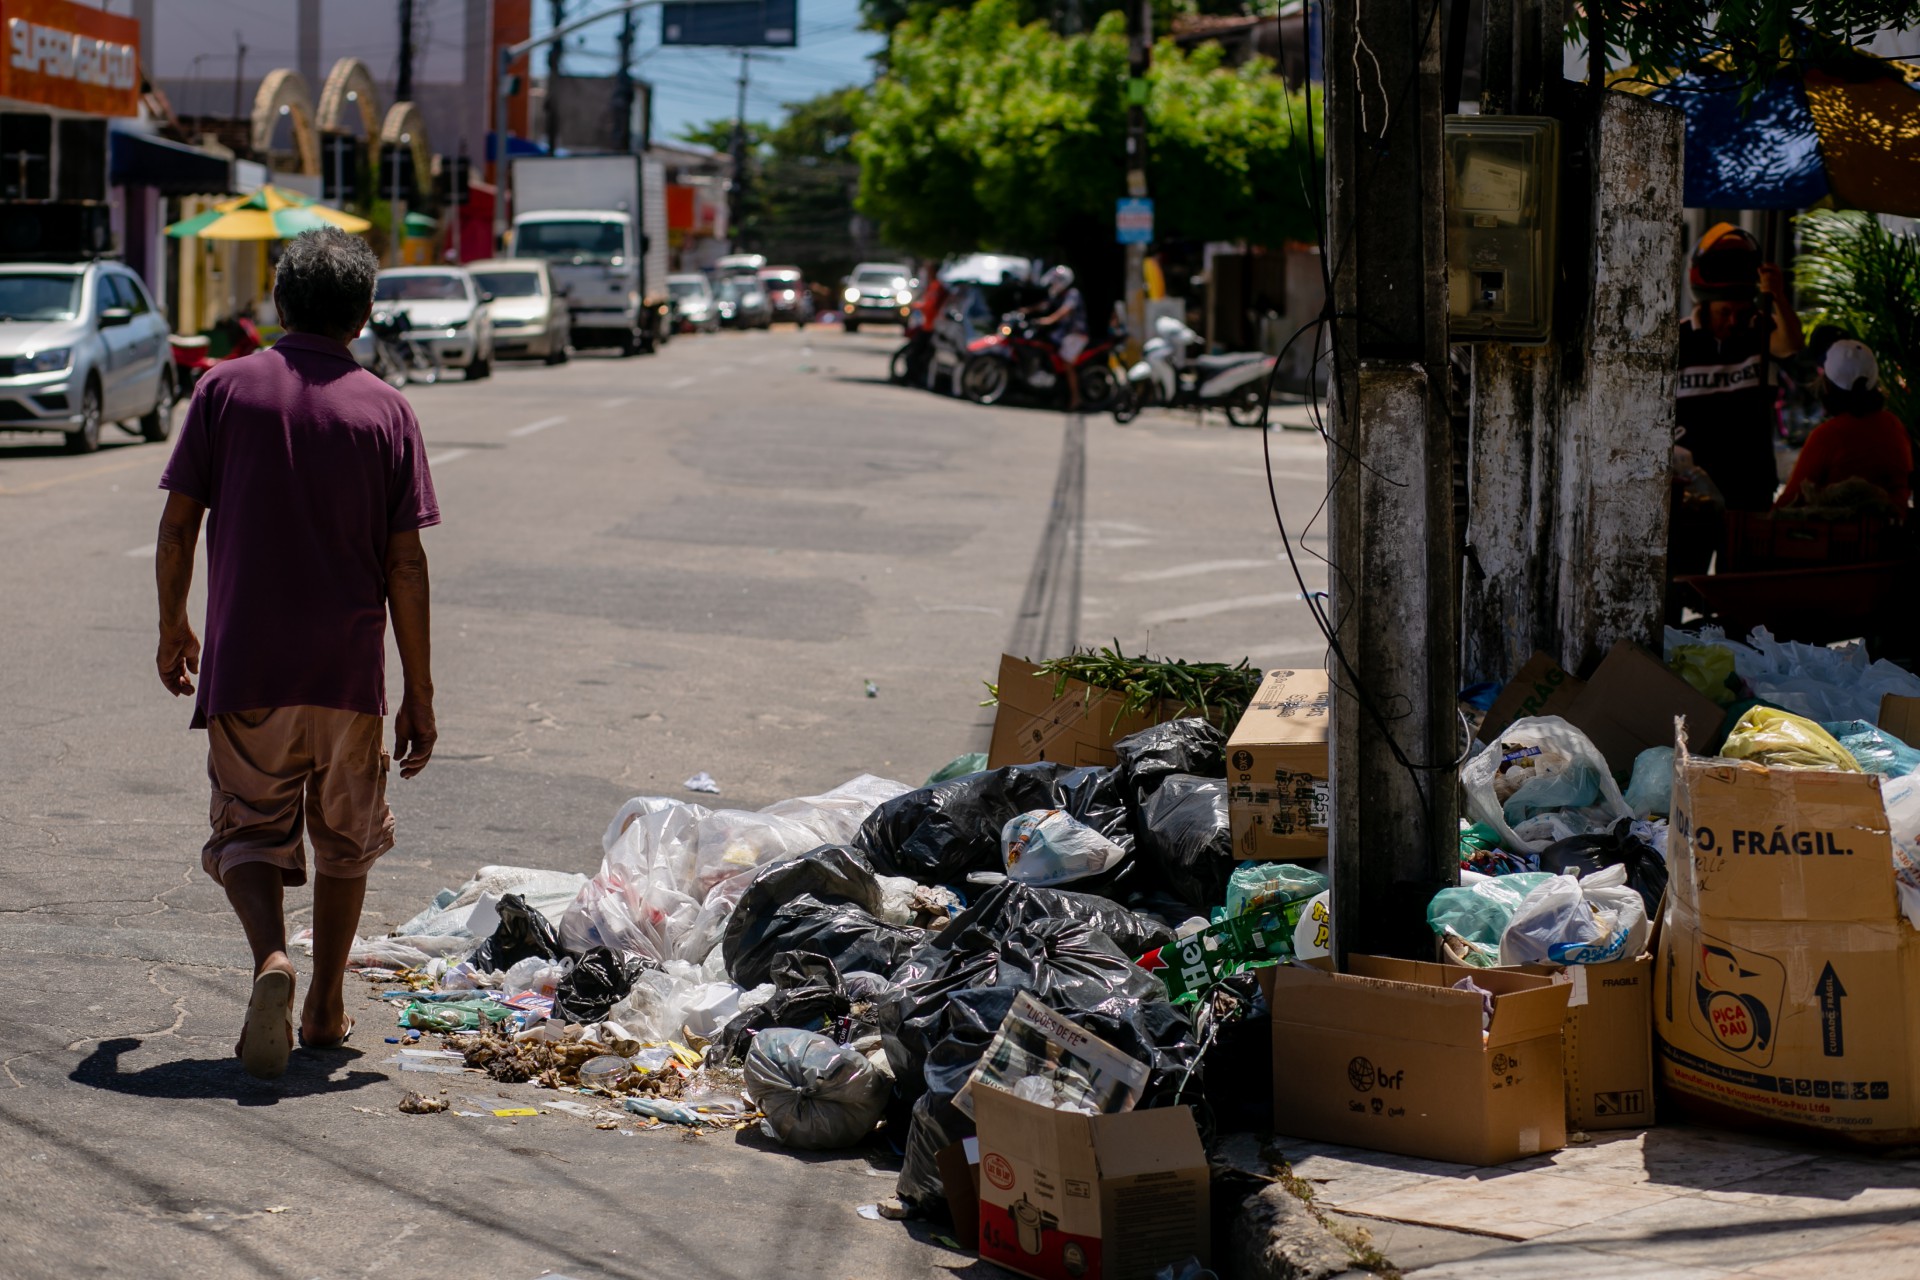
[288,772]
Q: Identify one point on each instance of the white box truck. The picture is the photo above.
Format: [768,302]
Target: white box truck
[590,219]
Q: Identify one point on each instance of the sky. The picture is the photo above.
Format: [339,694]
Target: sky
[693,86]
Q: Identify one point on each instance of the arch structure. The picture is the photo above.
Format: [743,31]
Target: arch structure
[405,120]
[350,76]
[285,89]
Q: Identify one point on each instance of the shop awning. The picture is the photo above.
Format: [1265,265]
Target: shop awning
[172,168]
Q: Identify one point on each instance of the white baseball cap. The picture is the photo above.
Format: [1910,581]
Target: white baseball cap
[1847,363]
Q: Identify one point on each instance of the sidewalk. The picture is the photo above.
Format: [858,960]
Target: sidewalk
[1671,1203]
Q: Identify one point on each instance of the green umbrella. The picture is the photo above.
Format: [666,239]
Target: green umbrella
[271,213]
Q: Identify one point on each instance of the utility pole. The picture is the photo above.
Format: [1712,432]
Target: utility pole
[1393,594]
[557,12]
[239,71]
[737,196]
[403,82]
[1139,56]
[623,87]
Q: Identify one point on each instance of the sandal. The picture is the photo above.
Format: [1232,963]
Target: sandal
[266,1038]
[340,1043]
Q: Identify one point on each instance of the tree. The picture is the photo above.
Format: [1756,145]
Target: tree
[1866,279]
[1755,38]
[987,132]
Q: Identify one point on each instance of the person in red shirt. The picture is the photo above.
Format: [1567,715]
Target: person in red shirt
[1861,441]
[312,477]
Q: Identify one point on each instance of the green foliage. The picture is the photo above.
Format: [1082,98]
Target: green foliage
[1866,279]
[1755,37]
[987,132]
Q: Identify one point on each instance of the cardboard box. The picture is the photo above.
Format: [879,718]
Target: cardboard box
[1064,1195]
[1076,728]
[959,1166]
[1900,717]
[1606,1051]
[1631,702]
[1787,981]
[1539,688]
[1391,1058]
[1277,790]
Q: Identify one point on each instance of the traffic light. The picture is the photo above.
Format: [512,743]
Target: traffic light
[341,157]
[451,183]
[397,173]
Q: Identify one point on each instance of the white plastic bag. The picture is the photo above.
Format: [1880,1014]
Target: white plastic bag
[1902,798]
[1568,920]
[1810,680]
[1051,846]
[1541,768]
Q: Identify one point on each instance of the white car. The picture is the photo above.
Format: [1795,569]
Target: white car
[694,309]
[444,312]
[529,316]
[82,344]
[880,292]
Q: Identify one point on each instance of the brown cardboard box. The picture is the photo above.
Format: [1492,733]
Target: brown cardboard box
[1786,980]
[1076,728]
[1631,702]
[1900,717]
[1391,1058]
[1607,1051]
[959,1166]
[1277,769]
[1539,688]
[1064,1195]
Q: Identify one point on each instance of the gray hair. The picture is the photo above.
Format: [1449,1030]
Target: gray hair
[324,283]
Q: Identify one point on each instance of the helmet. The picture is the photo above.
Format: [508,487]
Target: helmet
[1725,266]
[1060,279]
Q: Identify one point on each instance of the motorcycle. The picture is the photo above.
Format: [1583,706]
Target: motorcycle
[397,357]
[191,360]
[1165,375]
[1016,356]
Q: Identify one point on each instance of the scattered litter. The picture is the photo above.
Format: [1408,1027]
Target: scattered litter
[415,1104]
[513,1111]
[871,1212]
[873,690]
[702,781]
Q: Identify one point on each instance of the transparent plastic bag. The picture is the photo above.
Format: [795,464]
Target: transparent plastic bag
[1781,740]
[817,1095]
[1479,911]
[1650,789]
[1568,920]
[1541,767]
[1262,884]
[1052,847]
[1707,667]
[1902,799]
[1874,749]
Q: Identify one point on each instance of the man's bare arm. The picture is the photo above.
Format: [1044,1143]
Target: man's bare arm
[178,658]
[414,730]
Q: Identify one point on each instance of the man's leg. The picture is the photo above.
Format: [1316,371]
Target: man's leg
[1073,388]
[255,890]
[336,917]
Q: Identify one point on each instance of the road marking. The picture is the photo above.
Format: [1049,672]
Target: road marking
[616,402]
[541,425]
[1208,608]
[451,455]
[145,549]
[39,485]
[1194,570]
[678,383]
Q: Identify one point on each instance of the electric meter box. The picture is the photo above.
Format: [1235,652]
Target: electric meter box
[1503,187]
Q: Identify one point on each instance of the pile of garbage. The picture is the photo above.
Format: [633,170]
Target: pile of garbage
[873,953]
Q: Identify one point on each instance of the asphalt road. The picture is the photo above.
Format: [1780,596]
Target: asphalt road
[648,568]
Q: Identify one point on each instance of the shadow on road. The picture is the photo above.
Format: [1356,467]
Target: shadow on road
[308,1072]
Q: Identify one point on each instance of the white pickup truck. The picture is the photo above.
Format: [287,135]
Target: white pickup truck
[591,218]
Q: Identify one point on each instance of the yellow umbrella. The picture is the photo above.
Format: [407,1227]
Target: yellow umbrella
[271,213]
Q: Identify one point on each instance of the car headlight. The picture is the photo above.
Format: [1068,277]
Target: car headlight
[903,297]
[852,295]
[48,361]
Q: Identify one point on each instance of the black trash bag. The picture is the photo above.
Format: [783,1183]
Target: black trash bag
[864,987]
[937,1025]
[1148,758]
[817,1095]
[808,993]
[1010,904]
[938,834]
[1184,834]
[1646,867]
[598,982]
[522,932]
[823,901]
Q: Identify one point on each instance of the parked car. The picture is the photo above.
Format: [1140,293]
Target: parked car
[444,311]
[527,313]
[694,307]
[738,264]
[878,292]
[788,294]
[743,303]
[81,344]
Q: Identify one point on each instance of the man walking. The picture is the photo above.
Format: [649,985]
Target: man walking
[316,478]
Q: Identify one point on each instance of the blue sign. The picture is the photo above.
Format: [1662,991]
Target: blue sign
[1133,221]
[733,24]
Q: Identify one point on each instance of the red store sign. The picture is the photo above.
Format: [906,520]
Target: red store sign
[60,54]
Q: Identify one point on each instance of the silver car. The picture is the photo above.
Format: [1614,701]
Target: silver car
[529,316]
[82,344]
[694,310]
[444,314]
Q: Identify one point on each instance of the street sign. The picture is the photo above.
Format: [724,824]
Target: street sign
[1133,221]
[732,24]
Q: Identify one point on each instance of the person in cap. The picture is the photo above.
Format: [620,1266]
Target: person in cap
[1862,440]
[1742,318]
[1066,318]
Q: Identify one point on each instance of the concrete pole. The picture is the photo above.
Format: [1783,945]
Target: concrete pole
[1139,58]
[1394,590]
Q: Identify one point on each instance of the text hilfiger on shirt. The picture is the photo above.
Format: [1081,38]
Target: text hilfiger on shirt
[1712,379]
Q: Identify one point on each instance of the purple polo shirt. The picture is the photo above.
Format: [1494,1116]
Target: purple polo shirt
[307,463]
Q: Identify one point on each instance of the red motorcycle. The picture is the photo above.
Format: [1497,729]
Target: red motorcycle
[1016,358]
[190,358]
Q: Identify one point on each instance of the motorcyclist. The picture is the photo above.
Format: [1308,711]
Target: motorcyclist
[1066,322]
